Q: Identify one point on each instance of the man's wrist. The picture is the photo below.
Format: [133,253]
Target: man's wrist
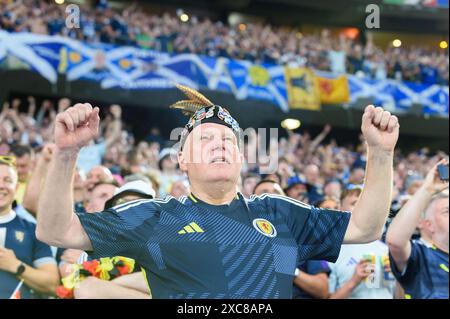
[427,190]
[67,153]
[379,151]
[15,267]
[353,283]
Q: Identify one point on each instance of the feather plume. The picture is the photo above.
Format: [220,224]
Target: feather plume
[194,95]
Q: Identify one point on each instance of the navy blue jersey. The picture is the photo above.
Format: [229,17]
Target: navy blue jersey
[19,235]
[311,267]
[190,249]
[426,273]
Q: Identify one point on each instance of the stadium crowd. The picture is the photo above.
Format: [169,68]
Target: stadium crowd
[262,43]
[312,169]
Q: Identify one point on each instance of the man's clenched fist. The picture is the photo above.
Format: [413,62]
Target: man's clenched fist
[76,126]
[380,128]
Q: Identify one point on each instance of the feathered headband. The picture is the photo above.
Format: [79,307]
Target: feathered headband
[201,110]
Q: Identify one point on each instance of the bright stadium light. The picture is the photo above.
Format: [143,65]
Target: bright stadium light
[290,124]
[397,43]
[443,45]
[184,17]
[59,1]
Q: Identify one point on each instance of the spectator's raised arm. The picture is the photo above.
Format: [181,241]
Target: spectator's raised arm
[404,224]
[115,126]
[31,107]
[31,198]
[57,223]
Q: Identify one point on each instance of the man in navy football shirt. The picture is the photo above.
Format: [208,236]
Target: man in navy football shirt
[22,256]
[421,269]
[214,243]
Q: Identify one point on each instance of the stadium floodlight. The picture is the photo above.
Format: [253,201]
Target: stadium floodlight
[443,45]
[290,124]
[59,1]
[184,17]
[397,43]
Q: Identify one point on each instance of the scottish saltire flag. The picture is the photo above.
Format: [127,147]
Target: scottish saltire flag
[259,81]
[400,96]
[23,47]
[148,70]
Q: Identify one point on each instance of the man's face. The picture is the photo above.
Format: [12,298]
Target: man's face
[439,220]
[269,188]
[333,189]
[330,204]
[97,174]
[357,176]
[298,192]
[349,202]
[312,174]
[168,164]
[99,196]
[211,154]
[24,166]
[8,185]
[249,185]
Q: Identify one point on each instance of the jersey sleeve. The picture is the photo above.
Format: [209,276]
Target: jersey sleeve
[121,230]
[314,267]
[408,275]
[319,233]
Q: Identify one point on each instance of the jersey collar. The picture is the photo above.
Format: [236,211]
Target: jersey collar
[8,217]
[239,198]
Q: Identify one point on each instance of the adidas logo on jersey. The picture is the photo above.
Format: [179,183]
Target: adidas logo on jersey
[191,228]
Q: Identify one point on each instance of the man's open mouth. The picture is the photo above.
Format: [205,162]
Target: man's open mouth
[219,159]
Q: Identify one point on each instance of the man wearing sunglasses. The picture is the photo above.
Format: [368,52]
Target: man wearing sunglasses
[23,258]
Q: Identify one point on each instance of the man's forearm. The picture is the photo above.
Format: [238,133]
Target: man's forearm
[101,289]
[134,281]
[315,285]
[372,209]
[55,211]
[43,281]
[345,291]
[405,222]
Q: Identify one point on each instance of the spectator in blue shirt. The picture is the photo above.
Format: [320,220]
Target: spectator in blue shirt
[420,269]
[22,256]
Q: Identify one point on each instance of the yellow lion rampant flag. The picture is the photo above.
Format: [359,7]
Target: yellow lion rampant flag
[302,89]
[334,91]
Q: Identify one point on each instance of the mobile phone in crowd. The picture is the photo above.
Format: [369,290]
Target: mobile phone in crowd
[443,172]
